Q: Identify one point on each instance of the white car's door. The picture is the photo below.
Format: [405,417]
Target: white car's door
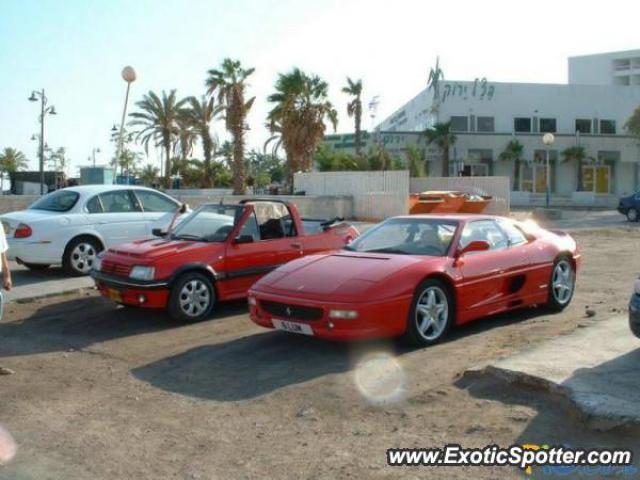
[158,209]
[117,217]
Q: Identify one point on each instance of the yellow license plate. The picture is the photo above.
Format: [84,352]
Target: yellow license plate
[115,295]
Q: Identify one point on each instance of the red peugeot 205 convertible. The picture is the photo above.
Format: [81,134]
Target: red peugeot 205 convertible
[215,254]
[417,276]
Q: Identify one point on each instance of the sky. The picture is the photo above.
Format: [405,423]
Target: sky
[76,49]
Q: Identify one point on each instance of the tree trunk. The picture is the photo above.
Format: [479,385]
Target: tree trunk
[445,161]
[293,166]
[208,174]
[579,186]
[167,165]
[239,185]
[516,174]
[358,120]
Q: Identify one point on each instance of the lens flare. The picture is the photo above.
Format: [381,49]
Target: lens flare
[380,378]
[8,447]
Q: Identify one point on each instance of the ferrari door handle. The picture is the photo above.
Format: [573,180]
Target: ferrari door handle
[296,245]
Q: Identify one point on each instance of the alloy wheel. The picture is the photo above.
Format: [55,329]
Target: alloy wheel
[562,282]
[432,311]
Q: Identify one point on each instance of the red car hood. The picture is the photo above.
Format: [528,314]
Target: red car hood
[339,276]
[155,249]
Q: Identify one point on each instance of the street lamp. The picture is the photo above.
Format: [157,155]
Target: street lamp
[129,76]
[51,110]
[93,154]
[548,139]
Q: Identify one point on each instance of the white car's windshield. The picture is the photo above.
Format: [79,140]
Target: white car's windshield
[60,201]
[209,223]
[408,236]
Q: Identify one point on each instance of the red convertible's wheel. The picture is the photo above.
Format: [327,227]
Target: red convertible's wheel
[431,313]
[192,298]
[561,284]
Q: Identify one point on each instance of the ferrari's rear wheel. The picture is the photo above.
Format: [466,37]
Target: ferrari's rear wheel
[431,313]
[561,284]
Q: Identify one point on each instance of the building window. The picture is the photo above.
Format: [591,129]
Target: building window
[607,127]
[486,124]
[583,125]
[547,125]
[522,124]
[459,124]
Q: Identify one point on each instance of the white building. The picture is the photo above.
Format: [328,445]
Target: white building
[589,111]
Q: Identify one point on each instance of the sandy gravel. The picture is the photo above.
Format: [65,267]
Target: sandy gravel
[101,392]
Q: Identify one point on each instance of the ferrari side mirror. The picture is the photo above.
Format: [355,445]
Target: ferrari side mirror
[474,246]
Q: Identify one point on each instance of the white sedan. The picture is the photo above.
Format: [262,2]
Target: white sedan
[71,226]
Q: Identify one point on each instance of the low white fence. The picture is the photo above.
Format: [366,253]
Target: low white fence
[376,195]
[497,187]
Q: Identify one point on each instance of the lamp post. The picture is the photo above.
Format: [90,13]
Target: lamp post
[129,76]
[548,139]
[93,154]
[44,109]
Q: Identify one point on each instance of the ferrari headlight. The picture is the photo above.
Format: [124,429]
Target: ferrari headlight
[142,273]
[344,314]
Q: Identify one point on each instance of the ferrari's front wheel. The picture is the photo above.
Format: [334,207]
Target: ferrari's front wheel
[561,284]
[431,313]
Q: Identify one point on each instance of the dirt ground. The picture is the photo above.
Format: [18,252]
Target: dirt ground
[105,392]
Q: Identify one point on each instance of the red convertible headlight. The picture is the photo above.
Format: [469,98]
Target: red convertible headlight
[22,231]
[343,314]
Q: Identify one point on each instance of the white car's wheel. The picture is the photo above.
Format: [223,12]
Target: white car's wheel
[80,256]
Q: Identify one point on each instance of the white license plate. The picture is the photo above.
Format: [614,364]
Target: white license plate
[293,327]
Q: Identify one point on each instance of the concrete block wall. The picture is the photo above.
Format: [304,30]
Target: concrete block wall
[320,206]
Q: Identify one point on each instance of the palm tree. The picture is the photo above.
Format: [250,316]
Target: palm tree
[298,117]
[11,160]
[149,174]
[228,85]
[441,135]
[415,161]
[200,114]
[513,151]
[354,108]
[579,154]
[186,137]
[159,121]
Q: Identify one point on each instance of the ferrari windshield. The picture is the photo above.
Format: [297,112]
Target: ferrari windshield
[209,223]
[408,236]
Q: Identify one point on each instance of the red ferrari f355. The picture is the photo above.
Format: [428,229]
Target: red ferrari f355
[417,276]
